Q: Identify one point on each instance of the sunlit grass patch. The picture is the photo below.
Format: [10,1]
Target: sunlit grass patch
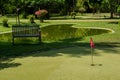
[69,64]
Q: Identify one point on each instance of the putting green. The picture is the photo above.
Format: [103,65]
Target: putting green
[65,64]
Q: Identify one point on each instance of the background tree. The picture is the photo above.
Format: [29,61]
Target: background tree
[80,6]
[113,6]
[6,7]
[64,7]
[118,10]
[96,5]
[69,5]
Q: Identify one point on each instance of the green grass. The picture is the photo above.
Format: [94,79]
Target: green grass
[66,60]
[65,64]
[105,39]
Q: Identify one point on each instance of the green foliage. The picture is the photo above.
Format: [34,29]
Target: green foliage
[118,9]
[105,7]
[113,4]
[5,22]
[63,12]
[82,10]
[31,18]
[73,14]
[55,6]
[41,14]
[24,15]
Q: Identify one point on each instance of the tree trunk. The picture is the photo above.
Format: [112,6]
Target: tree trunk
[41,19]
[111,14]
[1,11]
[111,10]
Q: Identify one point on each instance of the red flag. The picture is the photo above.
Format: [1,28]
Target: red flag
[91,43]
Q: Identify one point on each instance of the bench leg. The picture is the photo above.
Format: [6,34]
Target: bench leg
[13,40]
[39,39]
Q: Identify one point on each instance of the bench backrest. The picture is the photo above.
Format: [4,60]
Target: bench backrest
[25,31]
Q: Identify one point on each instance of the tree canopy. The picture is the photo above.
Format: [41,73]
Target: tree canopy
[58,6]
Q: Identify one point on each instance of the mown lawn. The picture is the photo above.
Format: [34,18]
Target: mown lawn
[72,63]
[65,60]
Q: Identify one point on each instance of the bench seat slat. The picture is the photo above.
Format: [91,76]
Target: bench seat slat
[26,35]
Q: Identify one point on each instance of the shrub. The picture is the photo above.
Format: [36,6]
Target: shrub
[118,11]
[31,18]
[82,10]
[23,15]
[73,14]
[5,22]
[41,14]
[63,12]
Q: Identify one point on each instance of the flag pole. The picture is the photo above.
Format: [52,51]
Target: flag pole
[92,57]
[92,47]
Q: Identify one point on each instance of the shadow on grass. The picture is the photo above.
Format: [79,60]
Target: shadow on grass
[113,22]
[6,63]
[21,50]
[9,52]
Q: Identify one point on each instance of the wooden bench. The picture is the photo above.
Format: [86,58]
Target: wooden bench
[22,31]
